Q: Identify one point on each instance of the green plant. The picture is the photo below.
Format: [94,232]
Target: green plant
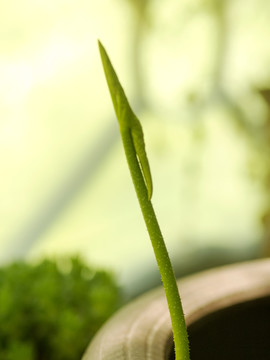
[52,310]
[133,142]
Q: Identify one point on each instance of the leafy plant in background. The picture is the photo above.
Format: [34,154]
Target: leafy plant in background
[49,313]
[133,142]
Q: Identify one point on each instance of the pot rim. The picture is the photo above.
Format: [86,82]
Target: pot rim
[141,330]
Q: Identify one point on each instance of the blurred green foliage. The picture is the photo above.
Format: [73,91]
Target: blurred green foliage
[197,73]
[53,309]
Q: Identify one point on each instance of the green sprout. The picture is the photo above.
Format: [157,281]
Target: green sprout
[134,147]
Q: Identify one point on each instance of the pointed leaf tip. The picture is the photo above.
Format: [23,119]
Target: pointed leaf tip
[126,118]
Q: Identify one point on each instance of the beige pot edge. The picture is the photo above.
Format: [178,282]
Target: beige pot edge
[142,329]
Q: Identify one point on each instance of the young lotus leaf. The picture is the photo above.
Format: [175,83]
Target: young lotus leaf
[128,122]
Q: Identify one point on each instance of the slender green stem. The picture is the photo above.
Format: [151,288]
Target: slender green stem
[133,142]
[161,253]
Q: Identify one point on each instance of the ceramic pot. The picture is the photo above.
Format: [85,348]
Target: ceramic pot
[227,312]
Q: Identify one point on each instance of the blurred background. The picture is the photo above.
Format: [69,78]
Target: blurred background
[197,74]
